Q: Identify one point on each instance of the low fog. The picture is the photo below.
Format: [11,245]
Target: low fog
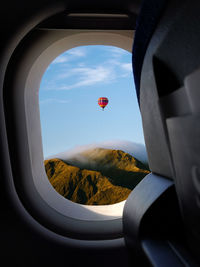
[136,150]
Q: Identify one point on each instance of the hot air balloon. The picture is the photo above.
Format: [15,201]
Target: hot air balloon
[103,101]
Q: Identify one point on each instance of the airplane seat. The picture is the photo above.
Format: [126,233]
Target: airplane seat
[166,63]
[28,232]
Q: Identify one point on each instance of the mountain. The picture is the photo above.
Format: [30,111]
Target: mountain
[83,186]
[134,149]
[96,177]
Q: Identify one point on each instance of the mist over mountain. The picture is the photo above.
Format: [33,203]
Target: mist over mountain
[96,177]
[134,149]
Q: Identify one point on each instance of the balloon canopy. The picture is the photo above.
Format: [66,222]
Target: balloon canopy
[103,101]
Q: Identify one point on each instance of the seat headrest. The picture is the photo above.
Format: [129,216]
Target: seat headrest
[148,18]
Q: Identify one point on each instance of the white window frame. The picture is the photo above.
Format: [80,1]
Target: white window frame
[42,47]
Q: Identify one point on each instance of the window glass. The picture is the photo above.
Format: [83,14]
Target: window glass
[92,133]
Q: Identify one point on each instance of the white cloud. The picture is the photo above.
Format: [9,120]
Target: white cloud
[69,55]
[90,76]
[107,72]
[83,75]
[127,66]
[114,62]
[53,100]
[116,52]
[60,59]
[78,52]
[81,64]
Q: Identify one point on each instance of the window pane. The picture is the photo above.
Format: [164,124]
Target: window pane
[94,153]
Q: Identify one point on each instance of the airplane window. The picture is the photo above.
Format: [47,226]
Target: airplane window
[93,144]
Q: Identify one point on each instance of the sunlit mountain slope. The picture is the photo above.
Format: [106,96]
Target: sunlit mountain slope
[96,177]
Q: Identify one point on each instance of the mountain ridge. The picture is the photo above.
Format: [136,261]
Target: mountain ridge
[97,177]
[136,150]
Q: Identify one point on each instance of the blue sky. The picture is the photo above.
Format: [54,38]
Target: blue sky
[69,91]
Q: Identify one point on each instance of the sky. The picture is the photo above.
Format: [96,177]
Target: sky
[68,99]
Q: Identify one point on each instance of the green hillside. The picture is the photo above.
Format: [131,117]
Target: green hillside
[96,177]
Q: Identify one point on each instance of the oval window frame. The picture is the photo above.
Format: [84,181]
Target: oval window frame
[31,59]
